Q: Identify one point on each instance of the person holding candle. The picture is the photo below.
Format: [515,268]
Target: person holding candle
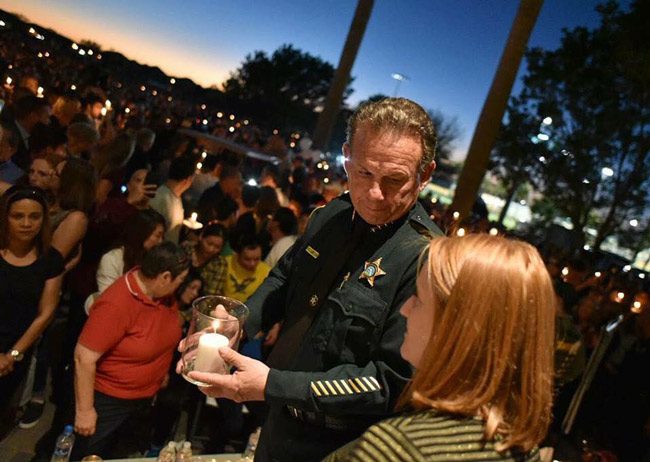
[167,200]
[125,349]
[335,368]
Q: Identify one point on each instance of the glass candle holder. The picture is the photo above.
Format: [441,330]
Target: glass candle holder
[216,322]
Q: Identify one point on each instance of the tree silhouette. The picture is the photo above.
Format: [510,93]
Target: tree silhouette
[596,89]
[285,88]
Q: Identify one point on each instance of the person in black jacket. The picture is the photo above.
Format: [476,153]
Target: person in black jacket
[336,368]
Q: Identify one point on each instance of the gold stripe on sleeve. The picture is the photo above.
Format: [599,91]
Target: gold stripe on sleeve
[315,389]
[361,385]
[323,389]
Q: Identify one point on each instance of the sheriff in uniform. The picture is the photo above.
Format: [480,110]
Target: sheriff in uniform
[336,367]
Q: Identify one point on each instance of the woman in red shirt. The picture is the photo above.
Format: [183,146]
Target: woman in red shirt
[125,349]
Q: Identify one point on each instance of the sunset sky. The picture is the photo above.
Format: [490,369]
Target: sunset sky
[448,49]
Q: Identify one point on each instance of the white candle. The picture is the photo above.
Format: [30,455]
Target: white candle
[194,216]
[208,358]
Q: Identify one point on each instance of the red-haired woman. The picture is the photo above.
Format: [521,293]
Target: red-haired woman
[480,333]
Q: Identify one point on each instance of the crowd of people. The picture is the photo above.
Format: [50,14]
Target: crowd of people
[112,223]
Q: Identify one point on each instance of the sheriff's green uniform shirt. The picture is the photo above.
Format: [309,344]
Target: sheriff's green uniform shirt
[347,371]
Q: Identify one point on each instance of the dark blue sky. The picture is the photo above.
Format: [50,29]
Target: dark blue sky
[448,49]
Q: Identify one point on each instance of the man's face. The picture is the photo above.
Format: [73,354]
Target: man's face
[249,258]
[384,174]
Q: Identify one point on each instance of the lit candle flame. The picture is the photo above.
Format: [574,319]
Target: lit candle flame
[194,216]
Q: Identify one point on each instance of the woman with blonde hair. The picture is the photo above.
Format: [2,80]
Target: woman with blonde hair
[480,333]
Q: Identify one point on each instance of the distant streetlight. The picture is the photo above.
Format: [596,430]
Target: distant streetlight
[634,222]
[607,172]
[399,78]
[547,121]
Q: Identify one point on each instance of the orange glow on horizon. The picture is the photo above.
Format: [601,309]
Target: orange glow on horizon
[173,58]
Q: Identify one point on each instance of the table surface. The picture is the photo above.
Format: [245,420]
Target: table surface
[201,458]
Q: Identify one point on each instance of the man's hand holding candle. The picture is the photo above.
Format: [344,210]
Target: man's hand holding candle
[246,384]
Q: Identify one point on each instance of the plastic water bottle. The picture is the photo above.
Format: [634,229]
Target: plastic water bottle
[253,440]
[184,454]
[64,444]
[168,453]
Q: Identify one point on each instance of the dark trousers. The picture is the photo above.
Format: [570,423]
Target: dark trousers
[169,403]
[111,414]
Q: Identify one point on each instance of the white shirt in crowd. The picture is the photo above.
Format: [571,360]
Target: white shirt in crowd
[110,268]
[278,249]
[170,206]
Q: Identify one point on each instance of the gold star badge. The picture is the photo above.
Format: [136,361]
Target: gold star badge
[372,270]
